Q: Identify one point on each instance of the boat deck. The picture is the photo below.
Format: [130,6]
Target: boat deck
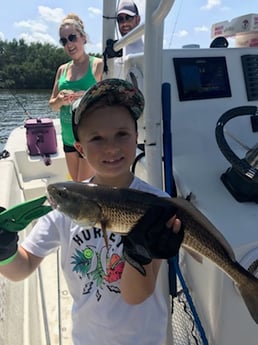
[40,305]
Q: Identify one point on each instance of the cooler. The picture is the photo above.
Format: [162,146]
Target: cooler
[41,136]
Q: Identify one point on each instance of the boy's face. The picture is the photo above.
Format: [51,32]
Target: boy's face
[108,139]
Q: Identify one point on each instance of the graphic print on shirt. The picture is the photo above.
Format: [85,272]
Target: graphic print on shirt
[100,268]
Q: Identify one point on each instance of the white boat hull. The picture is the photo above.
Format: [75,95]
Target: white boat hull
[37,310]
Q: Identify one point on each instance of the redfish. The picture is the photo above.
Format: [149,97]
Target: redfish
[119,209]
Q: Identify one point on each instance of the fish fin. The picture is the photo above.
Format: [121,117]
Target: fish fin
[250,297]
[197,257]
[104,230]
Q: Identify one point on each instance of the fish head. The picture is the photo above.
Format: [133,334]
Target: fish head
[67,198]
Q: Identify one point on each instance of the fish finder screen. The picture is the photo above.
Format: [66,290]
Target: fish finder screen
[202,78]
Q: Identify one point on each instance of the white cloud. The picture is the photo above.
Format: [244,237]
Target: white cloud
[94,11]
[36,30]
[2,36]
[51,14]
[37,37]
[202,28]
[211,4]
[32,25]
[181,33]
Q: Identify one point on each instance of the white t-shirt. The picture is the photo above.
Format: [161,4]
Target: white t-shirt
[100,316]
[133,48]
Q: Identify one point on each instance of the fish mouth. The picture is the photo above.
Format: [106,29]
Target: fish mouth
[52,201]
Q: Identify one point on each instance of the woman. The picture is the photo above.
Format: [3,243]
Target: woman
[72,80]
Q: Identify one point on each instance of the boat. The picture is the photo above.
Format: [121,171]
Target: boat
[197,136]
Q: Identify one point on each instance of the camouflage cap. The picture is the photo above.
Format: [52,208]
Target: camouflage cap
[122,91]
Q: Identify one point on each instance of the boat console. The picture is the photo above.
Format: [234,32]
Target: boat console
[208,150]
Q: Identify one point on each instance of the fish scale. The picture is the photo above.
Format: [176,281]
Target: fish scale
[120,221]
[119,209]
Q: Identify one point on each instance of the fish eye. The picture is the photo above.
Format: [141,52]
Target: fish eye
[62,192]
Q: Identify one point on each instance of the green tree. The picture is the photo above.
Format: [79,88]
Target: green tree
[33,66]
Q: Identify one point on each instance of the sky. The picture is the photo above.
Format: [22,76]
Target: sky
[189,21]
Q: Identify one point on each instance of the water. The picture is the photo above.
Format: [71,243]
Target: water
[15,104]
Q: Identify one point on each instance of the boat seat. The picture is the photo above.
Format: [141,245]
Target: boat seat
[9,196]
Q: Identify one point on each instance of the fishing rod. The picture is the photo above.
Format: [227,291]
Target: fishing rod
[5,85]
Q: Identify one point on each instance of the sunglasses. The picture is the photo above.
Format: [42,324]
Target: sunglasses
[126,18]
[70,38]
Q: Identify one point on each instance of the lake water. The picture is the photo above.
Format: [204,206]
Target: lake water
[14,106]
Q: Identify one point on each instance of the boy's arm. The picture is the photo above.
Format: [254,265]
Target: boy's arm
[136,287]
[15,262]
[22,266]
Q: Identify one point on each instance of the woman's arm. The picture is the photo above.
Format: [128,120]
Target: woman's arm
[98,69]
[22,266]
[58,99]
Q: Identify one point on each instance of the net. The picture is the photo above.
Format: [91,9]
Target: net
[185,328]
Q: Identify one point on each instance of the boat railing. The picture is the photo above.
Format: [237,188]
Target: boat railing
[155,13]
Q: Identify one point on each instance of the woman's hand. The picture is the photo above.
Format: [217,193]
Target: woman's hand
[66,97]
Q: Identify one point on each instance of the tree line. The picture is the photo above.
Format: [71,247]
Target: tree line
[32,66]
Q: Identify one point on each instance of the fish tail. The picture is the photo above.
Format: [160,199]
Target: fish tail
[249,293]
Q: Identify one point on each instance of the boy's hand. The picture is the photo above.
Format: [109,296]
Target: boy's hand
[157,235]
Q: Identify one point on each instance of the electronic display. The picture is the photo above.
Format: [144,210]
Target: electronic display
[202,78]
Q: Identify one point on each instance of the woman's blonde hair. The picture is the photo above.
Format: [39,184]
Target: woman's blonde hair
[73,19]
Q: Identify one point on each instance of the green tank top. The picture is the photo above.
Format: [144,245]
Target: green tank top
[65,111]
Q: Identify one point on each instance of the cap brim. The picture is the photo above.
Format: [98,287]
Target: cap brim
[130,13]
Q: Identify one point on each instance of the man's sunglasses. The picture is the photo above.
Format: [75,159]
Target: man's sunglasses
[70,38]
[126,18]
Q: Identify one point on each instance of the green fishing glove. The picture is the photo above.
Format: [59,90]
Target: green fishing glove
[151,239]
[8,245]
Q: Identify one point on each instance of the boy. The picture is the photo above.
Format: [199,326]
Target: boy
[113,303]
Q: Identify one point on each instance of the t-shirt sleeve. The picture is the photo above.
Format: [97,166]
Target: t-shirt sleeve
[44,238]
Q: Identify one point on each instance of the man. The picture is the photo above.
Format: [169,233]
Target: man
[128,18]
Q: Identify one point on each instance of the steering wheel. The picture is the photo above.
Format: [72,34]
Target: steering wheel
[242,178]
